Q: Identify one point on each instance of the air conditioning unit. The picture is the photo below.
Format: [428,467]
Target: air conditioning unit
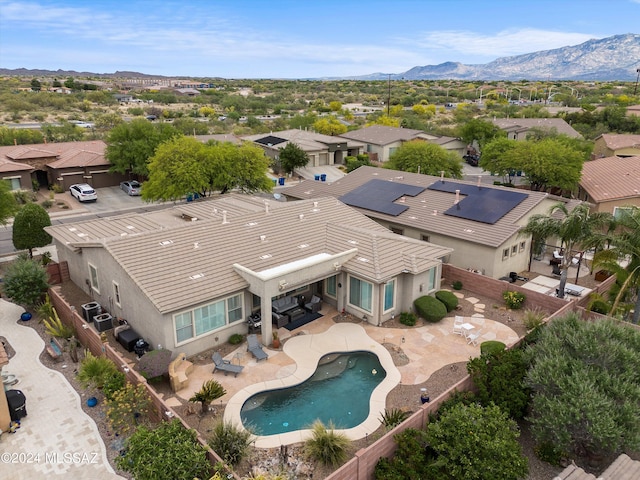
[103,322]
[90,310]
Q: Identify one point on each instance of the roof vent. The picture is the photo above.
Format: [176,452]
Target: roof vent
[303,245]
[266,256]
[315,204]
[301,216]
[435,212]
[263,238]
[266,207]
[196,245]
[224,217]
[196,276]
[166,242]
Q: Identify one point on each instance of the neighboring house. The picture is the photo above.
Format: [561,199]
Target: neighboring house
[618,144]
[17,175]
[611,183]
[321,149]
[187,92]
[482,227]
[188,277]
[380,142]
[62,163]
[518,128]
[123,97]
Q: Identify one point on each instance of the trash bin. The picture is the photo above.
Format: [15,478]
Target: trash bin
[275,181]
[323,177]
[281,181]
[316,178]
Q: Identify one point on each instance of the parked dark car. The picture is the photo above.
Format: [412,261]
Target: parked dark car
[472,160]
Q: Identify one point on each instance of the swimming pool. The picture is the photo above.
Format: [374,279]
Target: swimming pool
[339,392]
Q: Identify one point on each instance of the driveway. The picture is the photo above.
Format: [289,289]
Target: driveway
[56,438]
[109,199]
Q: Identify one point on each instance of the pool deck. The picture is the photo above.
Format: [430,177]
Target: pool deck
[428,349]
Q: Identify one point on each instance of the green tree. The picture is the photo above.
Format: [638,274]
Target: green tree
[575,229]
[427,158]
[70,83]
[36,86]
[329,126]
[167,452]
[65,132]
[494,157]
[482,131]
[28,228]
[26,281]
[190,126]
[473,442]
[108,121]
[585,378]
[19,136]
[210,391]
[292,157]
[131,145]
[624,250]
[8,205]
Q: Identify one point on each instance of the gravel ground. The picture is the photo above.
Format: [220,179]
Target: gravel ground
[292,459]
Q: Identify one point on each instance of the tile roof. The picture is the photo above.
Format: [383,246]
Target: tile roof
[41,150]
[305,139]
[80,158]
[420,214]
[382,135]
[615,141]
[9,166]
[611,178]
[524,124]
[178,264]
[623,468]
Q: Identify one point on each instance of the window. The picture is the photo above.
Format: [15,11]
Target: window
[330,286]
[255,301]
[523,245]
[13,182]
[360,293]
[425,238]
[208,318]
[389,291]
[505,254]
[392,150]
[514,249]
[432,279]
[619,212]
[93,278]
[116,293]
[396,230]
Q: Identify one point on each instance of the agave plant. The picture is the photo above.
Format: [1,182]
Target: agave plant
[394,417]
[56,328]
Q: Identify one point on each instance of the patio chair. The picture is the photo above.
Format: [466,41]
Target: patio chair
[225,365]
[255,348]
[473,337]
[457,325]
[314,304]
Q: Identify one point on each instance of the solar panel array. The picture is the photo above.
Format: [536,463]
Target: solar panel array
[270,140]
[480,203]
[380,195]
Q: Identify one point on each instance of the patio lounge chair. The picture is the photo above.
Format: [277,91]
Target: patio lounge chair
[314,304]
[225,365]
[473,337]
[255,348]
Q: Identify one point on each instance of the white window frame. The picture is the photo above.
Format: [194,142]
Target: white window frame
[389,284]
[523,246]
[228,312]
[617,211]
[361,307]
[12,182]
[93,278]
[505,253]
[514,250]
[116,293]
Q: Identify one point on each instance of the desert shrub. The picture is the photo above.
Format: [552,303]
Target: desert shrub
[469,439]
[449,299]
[499,378]
[548,452]
[45,308]
[94,371]
[127,407]
[46,204]
[430,308]
[491,346]
[168,452]
[533,318]
[457,285]
[513,300]
[25,281]
[457,398]
[392,418]
[599,306]
[236,339]
[408,318]
[230,442]
[326,445]
[57,188]
[112,383]
[54,326]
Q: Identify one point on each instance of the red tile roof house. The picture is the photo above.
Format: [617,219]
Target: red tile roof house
[620,145]
[483,231]
[63,163]
[381,141]
[611,183]
[17,175]
[189,277]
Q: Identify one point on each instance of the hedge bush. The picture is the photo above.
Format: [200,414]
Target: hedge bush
[430,308]
[448,298]
[491,346]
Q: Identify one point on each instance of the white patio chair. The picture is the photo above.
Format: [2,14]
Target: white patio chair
[457,325]
[473,337]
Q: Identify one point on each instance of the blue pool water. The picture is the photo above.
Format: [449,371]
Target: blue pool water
[338,392]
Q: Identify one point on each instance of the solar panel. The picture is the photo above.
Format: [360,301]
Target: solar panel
[270,140]
[480,203]
[380,195]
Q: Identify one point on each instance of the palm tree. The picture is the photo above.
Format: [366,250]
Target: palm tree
[625,246]
[575,228]
[210,391]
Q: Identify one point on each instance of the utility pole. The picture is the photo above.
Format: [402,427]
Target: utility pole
[389,95]
[635,89]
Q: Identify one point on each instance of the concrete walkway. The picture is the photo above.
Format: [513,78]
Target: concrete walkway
[56,438]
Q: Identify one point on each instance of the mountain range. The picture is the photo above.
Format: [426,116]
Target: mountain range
[606,59]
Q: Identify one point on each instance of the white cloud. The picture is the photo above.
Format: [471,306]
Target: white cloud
[506,43]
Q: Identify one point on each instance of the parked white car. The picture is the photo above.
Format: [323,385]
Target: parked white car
[83,192]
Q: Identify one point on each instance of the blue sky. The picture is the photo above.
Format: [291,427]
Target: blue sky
[294,39]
